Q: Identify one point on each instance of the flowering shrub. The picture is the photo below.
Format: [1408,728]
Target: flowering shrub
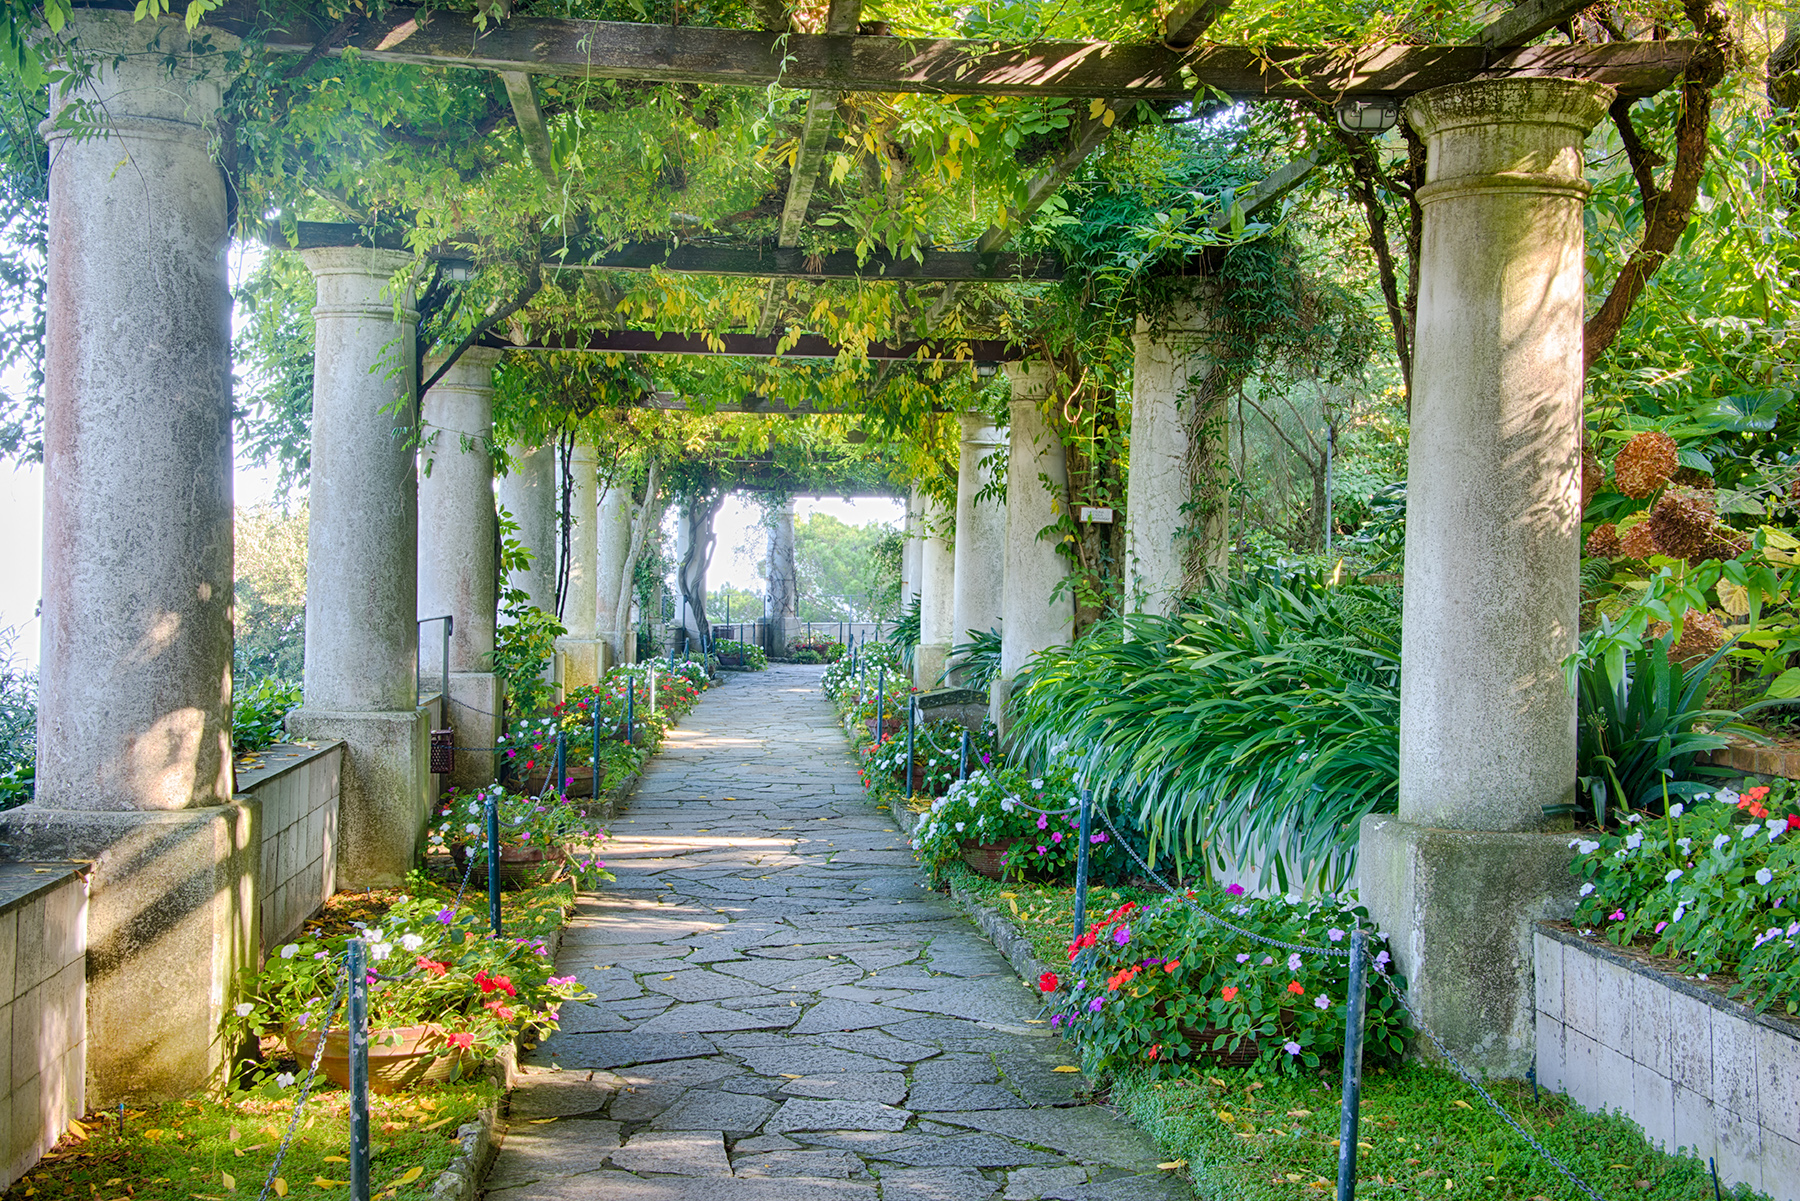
[754,658]
[828,650]
[862,671]
[427,966]
[1157,985]
[992,806]
[1714,883]
[553,822]
[937,750]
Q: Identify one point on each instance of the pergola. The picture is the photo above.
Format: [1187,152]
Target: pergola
[135,728]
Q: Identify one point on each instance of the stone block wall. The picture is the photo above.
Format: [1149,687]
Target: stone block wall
[43,962]
[1695,1070]
[297,791]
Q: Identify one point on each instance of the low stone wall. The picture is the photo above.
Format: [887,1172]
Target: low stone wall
[1695,1070]
[297,789]
[43,957]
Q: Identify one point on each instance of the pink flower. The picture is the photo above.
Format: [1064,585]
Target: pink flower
[1043,822]
[1617,915]
[1236,890]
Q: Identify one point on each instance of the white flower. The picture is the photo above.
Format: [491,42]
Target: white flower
[1721,841]
[1684,844]
[284,1080]
[243,1009]
[1776,830]
[1634,840]
[290,950]
[1587,888]
[1673,875]
[959,827]
[381,950]
[1680,912]
[411,942]
[1764,876]
[1584,846]
[1751,830]
[1322,1002]
[1006,804]
[471,828]
[1037,785]
[1677,809]
[1632,819]
[1727,796]
[1294,963]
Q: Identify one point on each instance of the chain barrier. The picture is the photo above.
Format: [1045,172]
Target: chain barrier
[1469,1079]
[305,1089]
[1215,919]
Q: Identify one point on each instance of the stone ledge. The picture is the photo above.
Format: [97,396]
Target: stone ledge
[480,1139]
[295,755]
[1757,760]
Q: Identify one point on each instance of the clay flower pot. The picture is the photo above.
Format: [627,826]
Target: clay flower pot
[520,867]
[401,1058]
[984,858]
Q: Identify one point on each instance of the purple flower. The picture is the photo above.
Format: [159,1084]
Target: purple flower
[1334,934]
[446,916]
[1095,1004]
[1381,961]
[1322,1002]
[1617,915]
[1236,890]
[1042,849]
[1056,837]
[1096,838]
[1122,935]
[1291,1048]
[1055,1020]
[1043,822]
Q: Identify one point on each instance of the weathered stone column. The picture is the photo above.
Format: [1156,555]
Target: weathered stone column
[1032,619]
[980,534]
[782,605]
[580,652]
[456,551]
[134,701]
[362,563]
[611,562]
[1487,728]
[937,594]
[1177,524]
[528,494]
[912,556]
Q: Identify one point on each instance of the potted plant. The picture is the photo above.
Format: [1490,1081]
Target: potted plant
[541,837]
[1005,823]
[442,997]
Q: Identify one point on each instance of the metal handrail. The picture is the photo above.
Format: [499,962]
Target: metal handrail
[419,659]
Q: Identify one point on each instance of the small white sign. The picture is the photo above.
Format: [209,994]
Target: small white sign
[1095,516]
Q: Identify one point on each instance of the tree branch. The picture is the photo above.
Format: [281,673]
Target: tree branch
[534,280]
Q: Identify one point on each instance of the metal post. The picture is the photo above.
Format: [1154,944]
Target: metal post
[356,963]
[653,690]
[1354,1004]
[562,760]
[596,790]
[912,711]
[1081,861]
[962,760]
[880,702]
[449,624]
[493,850]
[630,689]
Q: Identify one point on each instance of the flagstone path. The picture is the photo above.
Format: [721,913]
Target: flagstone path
[783,1013]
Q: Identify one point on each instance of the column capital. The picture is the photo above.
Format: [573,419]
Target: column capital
[1507,134]
[473,370]
[156,78]
[978,429]
[1184,321]
[354,281]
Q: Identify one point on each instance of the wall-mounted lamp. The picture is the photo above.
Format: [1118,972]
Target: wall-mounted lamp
[1368,116]
[457,270]
[985,369]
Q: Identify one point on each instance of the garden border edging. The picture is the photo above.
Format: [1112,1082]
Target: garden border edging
[461,1181]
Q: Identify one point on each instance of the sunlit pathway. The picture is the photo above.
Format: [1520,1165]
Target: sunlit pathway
[784,1013]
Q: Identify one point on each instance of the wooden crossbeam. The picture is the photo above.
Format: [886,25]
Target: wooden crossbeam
[1268,191]
[756,58]
[1527,21]
[766,406]
[807,346]
[1188,20]
[529,117]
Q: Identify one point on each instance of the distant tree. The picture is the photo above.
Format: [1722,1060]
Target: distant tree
[847,572]
[271,594]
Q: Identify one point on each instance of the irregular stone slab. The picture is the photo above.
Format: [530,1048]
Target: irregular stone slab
[1036,1077]
[880,1044]
[996,1000]
[1049,1184]
[758,1085]
[839,1165]
[534,1153]
[622,1186]
[703,986]
[1090,1134]
[676,1153]
[956,1069]
[1164,1186]
[837,1115]
[711,1019]
[562,1094]
[735,1114]
[936,1184]
[944,1098]
[766,1142]
[971,1151]
[833,1016]
[574,1017]
[819,979]
[794,1057]
[615,1050]
[888,1088]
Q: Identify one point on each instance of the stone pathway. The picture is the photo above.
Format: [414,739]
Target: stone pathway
[785,1014]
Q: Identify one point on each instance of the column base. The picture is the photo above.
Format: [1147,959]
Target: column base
[387,789]
[473,710]
[1459,907]
[171,922]
[580,663]
[929,660]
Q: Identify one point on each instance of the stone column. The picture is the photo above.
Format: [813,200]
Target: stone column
[937,594]
[782,605]
[528,494]
[134,701]
[911,558]
[980,534]
[1176,515]
[1032,619]
[362,563]
[456,552]
[1487,728]
[611,555]
[580,652]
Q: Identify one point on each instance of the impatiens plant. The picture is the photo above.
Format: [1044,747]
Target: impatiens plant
[428,966]
[1714,883]
[1161,986]
[937,753]
[1039,815]
[554,823]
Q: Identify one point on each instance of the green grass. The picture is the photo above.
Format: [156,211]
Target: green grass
[1424,1133]
[214,1149]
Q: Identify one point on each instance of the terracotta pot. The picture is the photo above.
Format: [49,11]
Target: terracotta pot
[1201,1041]
[400,1058]
[984,857]
[520,867]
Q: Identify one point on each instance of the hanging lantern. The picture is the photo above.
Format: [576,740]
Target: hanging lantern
[443,752]
[1368,115]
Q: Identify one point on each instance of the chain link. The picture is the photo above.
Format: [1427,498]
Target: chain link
[306,1088]
[1215,919]
[1469,1079]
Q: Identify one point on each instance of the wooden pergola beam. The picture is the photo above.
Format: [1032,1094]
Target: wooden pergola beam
[1527,21]
[757,58]
[766,406]
[807,346]
[1189,19]
[529,116]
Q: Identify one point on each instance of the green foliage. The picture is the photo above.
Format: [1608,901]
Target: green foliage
[1714,882]
[275,337]
[991,807]
[257,713]
[754,658]
[904,636]
[808,656]
[1264,723]
[975,663]
[1159,986]
[554,823]
[841,572]
[937,754]
[525,641]
[269,636]
[18,725]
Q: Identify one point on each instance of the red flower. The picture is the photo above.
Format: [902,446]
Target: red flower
[1171,965]
[435,968]
[1759,811]
[1757,793]
[1294,986]
[1229,992]
[489,984]
[1155,1050]
[500,1009]
[1793,821]
[462,1041]
[1048,982]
